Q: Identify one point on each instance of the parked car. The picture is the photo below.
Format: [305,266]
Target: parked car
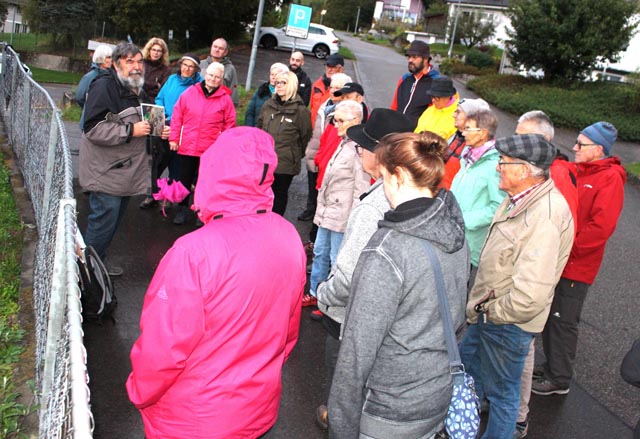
[320,41]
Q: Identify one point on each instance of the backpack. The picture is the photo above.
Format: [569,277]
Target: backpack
[97,296]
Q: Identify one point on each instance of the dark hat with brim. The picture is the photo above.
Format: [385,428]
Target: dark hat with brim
[334,60]
[531,148]
[381,122]
[350,87]
[419,48]
[442,87]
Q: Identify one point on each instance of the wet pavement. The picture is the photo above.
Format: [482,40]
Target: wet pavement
[599,405]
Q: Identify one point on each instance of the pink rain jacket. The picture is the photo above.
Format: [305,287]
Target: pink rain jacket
[222,312]
[197,120]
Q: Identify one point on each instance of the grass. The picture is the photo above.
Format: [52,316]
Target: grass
[53,76]
[72,113]
[11,411]
[574,106]
[633,169]
[27,42]
[346,53]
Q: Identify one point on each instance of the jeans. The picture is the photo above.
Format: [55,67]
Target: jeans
[560,334]
[106,212]
[494,355]
[325,251]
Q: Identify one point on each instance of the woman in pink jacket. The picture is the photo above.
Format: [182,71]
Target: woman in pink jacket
[200,115]
[222,312]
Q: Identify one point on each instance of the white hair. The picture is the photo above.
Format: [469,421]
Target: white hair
[215,66]
[102,51]
[340,79]
[543,123]
[278,68]
[352,108]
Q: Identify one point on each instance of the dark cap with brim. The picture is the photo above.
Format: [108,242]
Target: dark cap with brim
[350,87]
[419,48]
[381,122]
[334,60]
[531,148]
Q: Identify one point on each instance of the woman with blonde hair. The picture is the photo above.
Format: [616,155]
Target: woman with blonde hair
[155,55]
[263,94]
[392,378]
[288,120]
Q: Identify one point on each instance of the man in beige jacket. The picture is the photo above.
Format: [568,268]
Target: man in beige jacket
[526,249]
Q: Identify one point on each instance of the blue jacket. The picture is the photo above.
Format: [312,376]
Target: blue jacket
[83,88]
[172,89]
[262,95]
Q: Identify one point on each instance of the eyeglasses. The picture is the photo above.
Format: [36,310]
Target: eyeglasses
[341,121]
[188,66]
[501,163]
[582,145]
[281,82]
[157,50]
[471,129]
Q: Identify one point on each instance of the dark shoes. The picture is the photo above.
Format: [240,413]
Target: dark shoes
[181,216]
[148,203]
[307,215]
[316,315]
[321,417]
[522,428]
[544,386]
[114,271]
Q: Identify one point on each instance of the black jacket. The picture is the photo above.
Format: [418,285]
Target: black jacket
[304,86]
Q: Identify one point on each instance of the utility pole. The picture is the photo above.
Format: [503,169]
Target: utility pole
[453,34]
[355,31]
[254,46]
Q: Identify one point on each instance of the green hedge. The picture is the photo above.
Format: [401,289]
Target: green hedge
[574,107]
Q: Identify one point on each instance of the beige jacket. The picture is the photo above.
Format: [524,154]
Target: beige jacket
[522,259]
[343,183]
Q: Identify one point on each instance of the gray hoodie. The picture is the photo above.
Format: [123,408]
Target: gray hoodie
[392,377]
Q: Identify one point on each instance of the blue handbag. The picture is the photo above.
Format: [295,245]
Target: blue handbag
[463,417]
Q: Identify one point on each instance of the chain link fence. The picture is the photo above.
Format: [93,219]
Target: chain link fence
[36,133]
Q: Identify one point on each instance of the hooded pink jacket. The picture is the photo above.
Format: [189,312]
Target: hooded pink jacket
[197,120]
[222,312]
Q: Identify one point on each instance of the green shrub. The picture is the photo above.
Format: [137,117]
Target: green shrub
[478,59]
[575,106]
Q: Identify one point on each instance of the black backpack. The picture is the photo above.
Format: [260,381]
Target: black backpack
[97,296]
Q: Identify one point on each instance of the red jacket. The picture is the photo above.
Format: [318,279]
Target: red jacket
[197,120]
[329,142]
[564,176]
[319,95]
[222,312]
[600,200]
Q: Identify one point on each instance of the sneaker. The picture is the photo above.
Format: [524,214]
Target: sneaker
[316,315]
[309,300]
[522,428]
[114,271]
[181,216]
[321,417]
[544,386]
[148,203]
[538,371]
[307,215]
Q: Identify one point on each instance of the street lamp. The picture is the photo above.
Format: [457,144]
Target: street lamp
[322,14]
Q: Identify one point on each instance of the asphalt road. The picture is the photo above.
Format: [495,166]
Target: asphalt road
[600,404]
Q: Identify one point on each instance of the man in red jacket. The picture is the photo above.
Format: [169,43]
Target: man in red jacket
[600,180]
[320,89]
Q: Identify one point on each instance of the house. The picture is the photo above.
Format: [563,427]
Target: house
[14,21]
[405,11]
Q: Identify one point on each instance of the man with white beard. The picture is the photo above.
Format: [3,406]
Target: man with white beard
[114,162]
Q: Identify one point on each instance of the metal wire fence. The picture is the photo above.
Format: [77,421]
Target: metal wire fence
[35,131]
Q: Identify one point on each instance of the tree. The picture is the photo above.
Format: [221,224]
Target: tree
[4,10]
[67,21]
[567,38]
[342,15]
[473,30]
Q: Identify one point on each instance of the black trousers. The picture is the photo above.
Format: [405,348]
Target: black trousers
[280,188]
[159,160]
[560,334]
[188,173]
[312,194]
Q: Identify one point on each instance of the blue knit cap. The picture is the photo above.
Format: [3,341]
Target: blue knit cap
[601,133]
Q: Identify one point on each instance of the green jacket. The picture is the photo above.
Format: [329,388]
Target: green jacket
[289,123]
[476,189]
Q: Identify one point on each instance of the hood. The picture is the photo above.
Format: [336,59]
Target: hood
[613,163]
[190,80]
[235,175]
[441,223]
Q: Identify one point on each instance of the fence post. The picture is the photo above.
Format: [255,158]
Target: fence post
[51,160]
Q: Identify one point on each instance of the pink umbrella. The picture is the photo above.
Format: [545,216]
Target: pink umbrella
[173,192]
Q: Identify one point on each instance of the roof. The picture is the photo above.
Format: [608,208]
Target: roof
[492,3]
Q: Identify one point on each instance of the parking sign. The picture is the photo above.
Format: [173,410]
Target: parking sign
[298,22]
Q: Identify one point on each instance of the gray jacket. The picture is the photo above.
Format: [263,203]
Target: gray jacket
[392,378]
[333,294]
[111,160]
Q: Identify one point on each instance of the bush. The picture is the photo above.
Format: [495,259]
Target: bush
[478,59]
[575,106]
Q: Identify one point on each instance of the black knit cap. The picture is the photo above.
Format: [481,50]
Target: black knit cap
[531,148]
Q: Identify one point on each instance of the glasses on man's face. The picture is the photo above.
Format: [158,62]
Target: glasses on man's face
[581,145]
[281,83]
[341,121]
[502,163]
